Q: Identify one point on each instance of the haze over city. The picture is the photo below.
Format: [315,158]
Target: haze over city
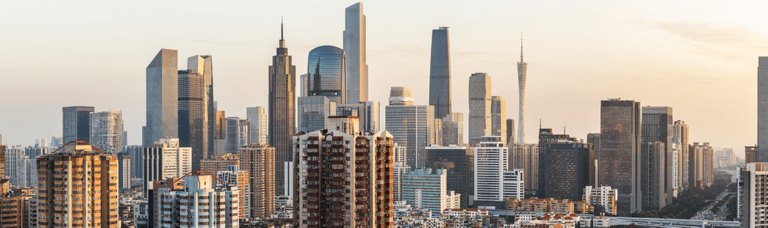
[698,57]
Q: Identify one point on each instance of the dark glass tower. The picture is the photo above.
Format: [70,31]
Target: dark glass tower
[327,73]
[76,120]
[282,107]
[440,73]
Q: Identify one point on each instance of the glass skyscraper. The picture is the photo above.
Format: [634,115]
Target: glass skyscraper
[326,73]
[440,73]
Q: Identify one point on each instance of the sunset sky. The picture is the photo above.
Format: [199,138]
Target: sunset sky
[699,57]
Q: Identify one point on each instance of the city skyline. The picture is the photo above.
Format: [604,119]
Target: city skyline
[553,67]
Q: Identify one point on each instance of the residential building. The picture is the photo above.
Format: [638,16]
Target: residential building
[604,196]
[124,165]
[751,195]
[681,138]
[514,184]
[259,161]
[166,159]
[234,177]
[219,163]
[199,203]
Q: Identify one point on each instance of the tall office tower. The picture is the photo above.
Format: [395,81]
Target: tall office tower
[604,196]
[440,73]
[752,178]
[303,85]
[78,188]
[237,134]
[366,111]
[652,165]
[411,125]
[76,120]
[428,189]
[107,131]
[193,124]
[259,161]
[680,137]
[326,73]
[282,107]
[203,65]
[313,112]
[257,118]
[219,163]
[124,170]
[510,132]
[514,185]
[594,139]
[563,165]
[522,73]
[620,138]
[658,126]
[750,154]
[234,177]
[219,133]
[137,160]
[452,129]
[526,158]
[479,107]
[491,160]
[499,118]
[355,54]
[162,97]
[457,162]
[762,109]
[166,159]
[547,139]
[328,183]
[199,203]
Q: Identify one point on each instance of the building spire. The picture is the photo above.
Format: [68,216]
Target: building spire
[282,38]
[521,47]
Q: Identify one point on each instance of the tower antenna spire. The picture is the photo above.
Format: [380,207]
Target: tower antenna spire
[281,28]
[521,47]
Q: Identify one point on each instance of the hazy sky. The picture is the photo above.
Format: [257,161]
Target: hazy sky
[699,57]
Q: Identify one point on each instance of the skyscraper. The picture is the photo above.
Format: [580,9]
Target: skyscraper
[355,54]
[510,132]
[78,187]
[282,106]
[219,133]
[680,137]
[440,73]
[107,131]
[411,125]
[567,167]
[428,189]
[752,194]
[458,163]
[526,158]
[453,129]
[237,134]
[124,165]
[479,107]
[76,120]
[594,139]
[326,74]
[313,112]
[762,109]
[547,139]
[203,65]
[193,124]
[491,161]
[652,166]
[329,183]
[658,126]
[367,111]
[750,154]
[257,118]
[259,161]
[198,202]
[162,97]
[499,117]
[522,72]
[620,138]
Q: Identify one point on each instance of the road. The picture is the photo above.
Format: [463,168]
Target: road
[722,211]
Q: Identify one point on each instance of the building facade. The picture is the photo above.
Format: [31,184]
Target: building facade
[313,112]
[326,74]
[355,54]
[257,118]
[76,123]
[411,125]
[162,97]
[620,138]
[428,189]
[259,161]
[237,134]
[658,126]
[166,159]
[499,118]
[457,162]
[526,158]
[282,106]
[107,131]
[479,107]
[752,194]
[491,161]
[199,203]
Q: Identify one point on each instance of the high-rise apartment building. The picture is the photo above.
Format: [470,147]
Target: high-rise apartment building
[604,196]
[234,177]
[282,106]
[452,129]
[78,188]
[124,165]
[76,123]
[219,163]
[701,165]
[499,117]
[440,73]
[166,159]
[15,207]
[457,162]
[162,97]
[107,131]
[411,125]
[526,157]
[658,126]
[681,138]
[355,54]
[259,161]
[326,74]
[522,74]
[197,203]
[762,109]
[428,189]
[479,107]
[313,112]
[752,193]
[257,118]
[342,177]
[620,138]
[237,134]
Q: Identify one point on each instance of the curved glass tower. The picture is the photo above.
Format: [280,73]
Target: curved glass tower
[326,73]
